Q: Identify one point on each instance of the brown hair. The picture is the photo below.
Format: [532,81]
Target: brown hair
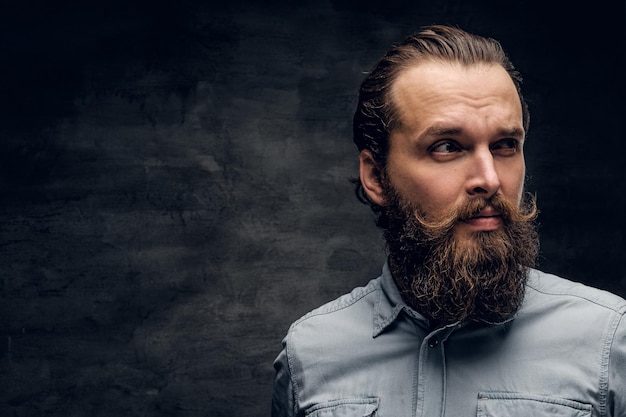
[375,116]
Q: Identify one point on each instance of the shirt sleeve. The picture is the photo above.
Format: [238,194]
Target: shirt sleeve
[617,374]
[283,398]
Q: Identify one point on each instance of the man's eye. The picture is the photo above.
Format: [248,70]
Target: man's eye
[445,147]
[506,146]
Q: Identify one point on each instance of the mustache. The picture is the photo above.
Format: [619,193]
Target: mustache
[509,212]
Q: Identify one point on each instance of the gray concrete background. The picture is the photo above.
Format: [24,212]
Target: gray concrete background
[174,183]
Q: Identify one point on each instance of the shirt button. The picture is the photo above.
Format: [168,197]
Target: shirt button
[433,342]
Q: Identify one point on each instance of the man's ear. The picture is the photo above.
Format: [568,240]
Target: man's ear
[370,175]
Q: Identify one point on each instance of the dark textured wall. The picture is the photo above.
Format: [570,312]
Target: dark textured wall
[174,183]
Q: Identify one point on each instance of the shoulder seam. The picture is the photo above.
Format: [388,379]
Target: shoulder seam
[618,307]
[338,304]
[605,359]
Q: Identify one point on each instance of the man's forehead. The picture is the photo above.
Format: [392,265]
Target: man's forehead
[436,69]
[420,85]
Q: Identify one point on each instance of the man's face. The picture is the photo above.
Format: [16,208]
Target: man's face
[460,137]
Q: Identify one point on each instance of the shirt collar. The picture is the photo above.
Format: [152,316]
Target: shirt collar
[389,304]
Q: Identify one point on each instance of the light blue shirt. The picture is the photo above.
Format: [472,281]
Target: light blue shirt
[368,354]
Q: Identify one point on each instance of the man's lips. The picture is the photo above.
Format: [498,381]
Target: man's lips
[486,219]
[487,212]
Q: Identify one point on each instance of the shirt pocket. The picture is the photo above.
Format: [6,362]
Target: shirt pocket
[349,407]
[510,404]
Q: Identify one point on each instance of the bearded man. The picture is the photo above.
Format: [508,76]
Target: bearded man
[459,323]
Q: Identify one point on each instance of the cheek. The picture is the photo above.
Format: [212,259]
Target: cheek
[512,183]
[429,190]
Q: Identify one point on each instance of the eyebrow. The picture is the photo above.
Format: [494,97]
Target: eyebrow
[438,130]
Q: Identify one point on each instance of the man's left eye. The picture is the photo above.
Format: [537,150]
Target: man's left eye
[506,145]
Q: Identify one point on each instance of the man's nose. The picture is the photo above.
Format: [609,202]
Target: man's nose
[483,180]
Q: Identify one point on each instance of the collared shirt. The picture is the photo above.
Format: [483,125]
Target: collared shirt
[369,354]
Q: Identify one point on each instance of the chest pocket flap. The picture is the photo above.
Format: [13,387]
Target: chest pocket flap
[506,404]
[349,407]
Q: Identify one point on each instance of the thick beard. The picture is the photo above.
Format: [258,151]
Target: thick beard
[449,277]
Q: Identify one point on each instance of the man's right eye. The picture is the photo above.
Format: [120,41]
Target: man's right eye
[445,147]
